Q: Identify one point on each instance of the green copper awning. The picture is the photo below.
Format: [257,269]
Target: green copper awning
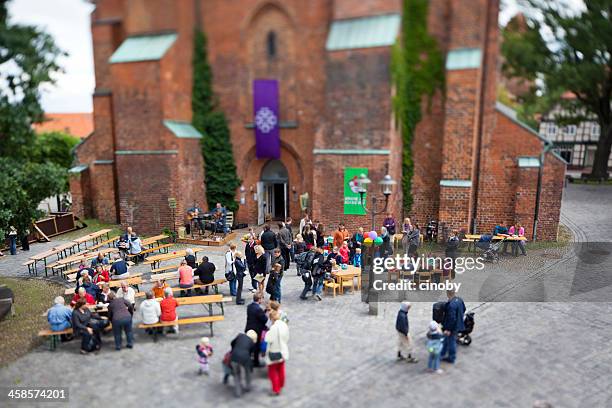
[143,48]
[363,32]
[182,129]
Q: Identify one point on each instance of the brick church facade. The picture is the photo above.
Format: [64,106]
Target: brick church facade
[476,164]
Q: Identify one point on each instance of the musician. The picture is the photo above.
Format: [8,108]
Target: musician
[194,213]
[219,215]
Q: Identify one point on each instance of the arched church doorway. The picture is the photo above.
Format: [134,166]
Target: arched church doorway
[273,203]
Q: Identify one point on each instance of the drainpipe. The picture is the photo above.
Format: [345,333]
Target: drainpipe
[536,217]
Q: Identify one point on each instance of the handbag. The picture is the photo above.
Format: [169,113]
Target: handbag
[276,356]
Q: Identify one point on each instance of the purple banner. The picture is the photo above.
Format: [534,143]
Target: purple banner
[265,114]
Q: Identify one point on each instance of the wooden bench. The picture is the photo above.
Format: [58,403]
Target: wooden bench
[31,267]
[180,322]
[214,284]
[165,269]
[54,336]
[153,240]
[107,242]
[149,250]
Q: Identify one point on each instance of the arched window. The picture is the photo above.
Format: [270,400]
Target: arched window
[271,44]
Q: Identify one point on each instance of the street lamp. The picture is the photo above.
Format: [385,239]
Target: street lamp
[386,188]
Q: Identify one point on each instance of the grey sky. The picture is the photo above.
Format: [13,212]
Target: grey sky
[68,22]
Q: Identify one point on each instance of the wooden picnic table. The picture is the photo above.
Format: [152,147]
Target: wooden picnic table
[472,239]
[351,272]
[155,260]
[153,240]
[91,237]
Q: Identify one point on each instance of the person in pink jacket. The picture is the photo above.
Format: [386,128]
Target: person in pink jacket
[185,276]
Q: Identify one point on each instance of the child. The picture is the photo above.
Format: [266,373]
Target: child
[274,305]
[357,258]
[404,342]
[435,340]
[344,253]
[204,350]
[159,288]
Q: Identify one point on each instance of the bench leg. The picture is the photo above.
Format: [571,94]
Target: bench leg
[53,340]
[212,334]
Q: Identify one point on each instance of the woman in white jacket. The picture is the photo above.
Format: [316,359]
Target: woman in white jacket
[150,310]
[277,351]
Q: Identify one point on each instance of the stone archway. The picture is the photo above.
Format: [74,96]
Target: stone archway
[273,192]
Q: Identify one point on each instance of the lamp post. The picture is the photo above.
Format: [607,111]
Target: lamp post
[386,188]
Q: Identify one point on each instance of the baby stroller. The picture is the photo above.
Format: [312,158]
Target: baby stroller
[463,337]
[490,249]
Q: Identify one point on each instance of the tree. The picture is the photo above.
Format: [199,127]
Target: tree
[560,52]
[27,61]
[219,166]
[55,147]
[417,68]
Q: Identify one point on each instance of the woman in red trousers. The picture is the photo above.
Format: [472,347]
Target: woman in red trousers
[277,352]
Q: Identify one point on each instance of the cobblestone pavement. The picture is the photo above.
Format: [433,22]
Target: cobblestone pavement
[521,352]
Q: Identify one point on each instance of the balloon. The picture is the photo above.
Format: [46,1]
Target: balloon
[378,241]
[372,234]
[368,241]
[330,239]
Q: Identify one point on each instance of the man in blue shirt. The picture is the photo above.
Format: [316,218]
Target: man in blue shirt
[453,323]
[59,316]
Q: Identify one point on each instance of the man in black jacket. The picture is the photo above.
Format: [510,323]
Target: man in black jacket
[256,321]
[268,242]
[240,360]
[205,273]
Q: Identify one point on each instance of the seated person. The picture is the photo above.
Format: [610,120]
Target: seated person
[159,288]
[99,260]
[82,294]
[83,271]
[334,255]
[190,258]
[103,295]
[205,273]
[500,229]
[59,315]
[150,311]
[101,274]
[125,241]
[127,292]
[220,214]
[185,276]
[90,287]
[119,268]
[136,248]
[168,309]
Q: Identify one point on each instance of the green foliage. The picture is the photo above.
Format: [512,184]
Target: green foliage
[27,61]
[575,55]
[417,66]
[55,147]
[219,166]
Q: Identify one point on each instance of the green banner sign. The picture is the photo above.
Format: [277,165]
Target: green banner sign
[352,205]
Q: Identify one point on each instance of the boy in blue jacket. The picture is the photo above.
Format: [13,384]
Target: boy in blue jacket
[404,342]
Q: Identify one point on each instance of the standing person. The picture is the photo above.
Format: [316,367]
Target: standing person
[277,352]
[230,269]
[168,309]
[268,242]
[435,340]
[289,226]
[256,321]
[357,258]
[344,253]
[310,237]
[12,236]
[120,313]
[25,243]
[404,340]
[205,273]
[386,248]
[204,351]
[88,325]
[355,242]
[299,246]
[240,268]
[339,236]
[452,247]
[278,258]
[185,277]
[306,270]
[320,234]
[453,323]
[260,268]
[251,258]
[285,242]
[318,273]
[389,224]
[304,222]
[240,360]
[274,282]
